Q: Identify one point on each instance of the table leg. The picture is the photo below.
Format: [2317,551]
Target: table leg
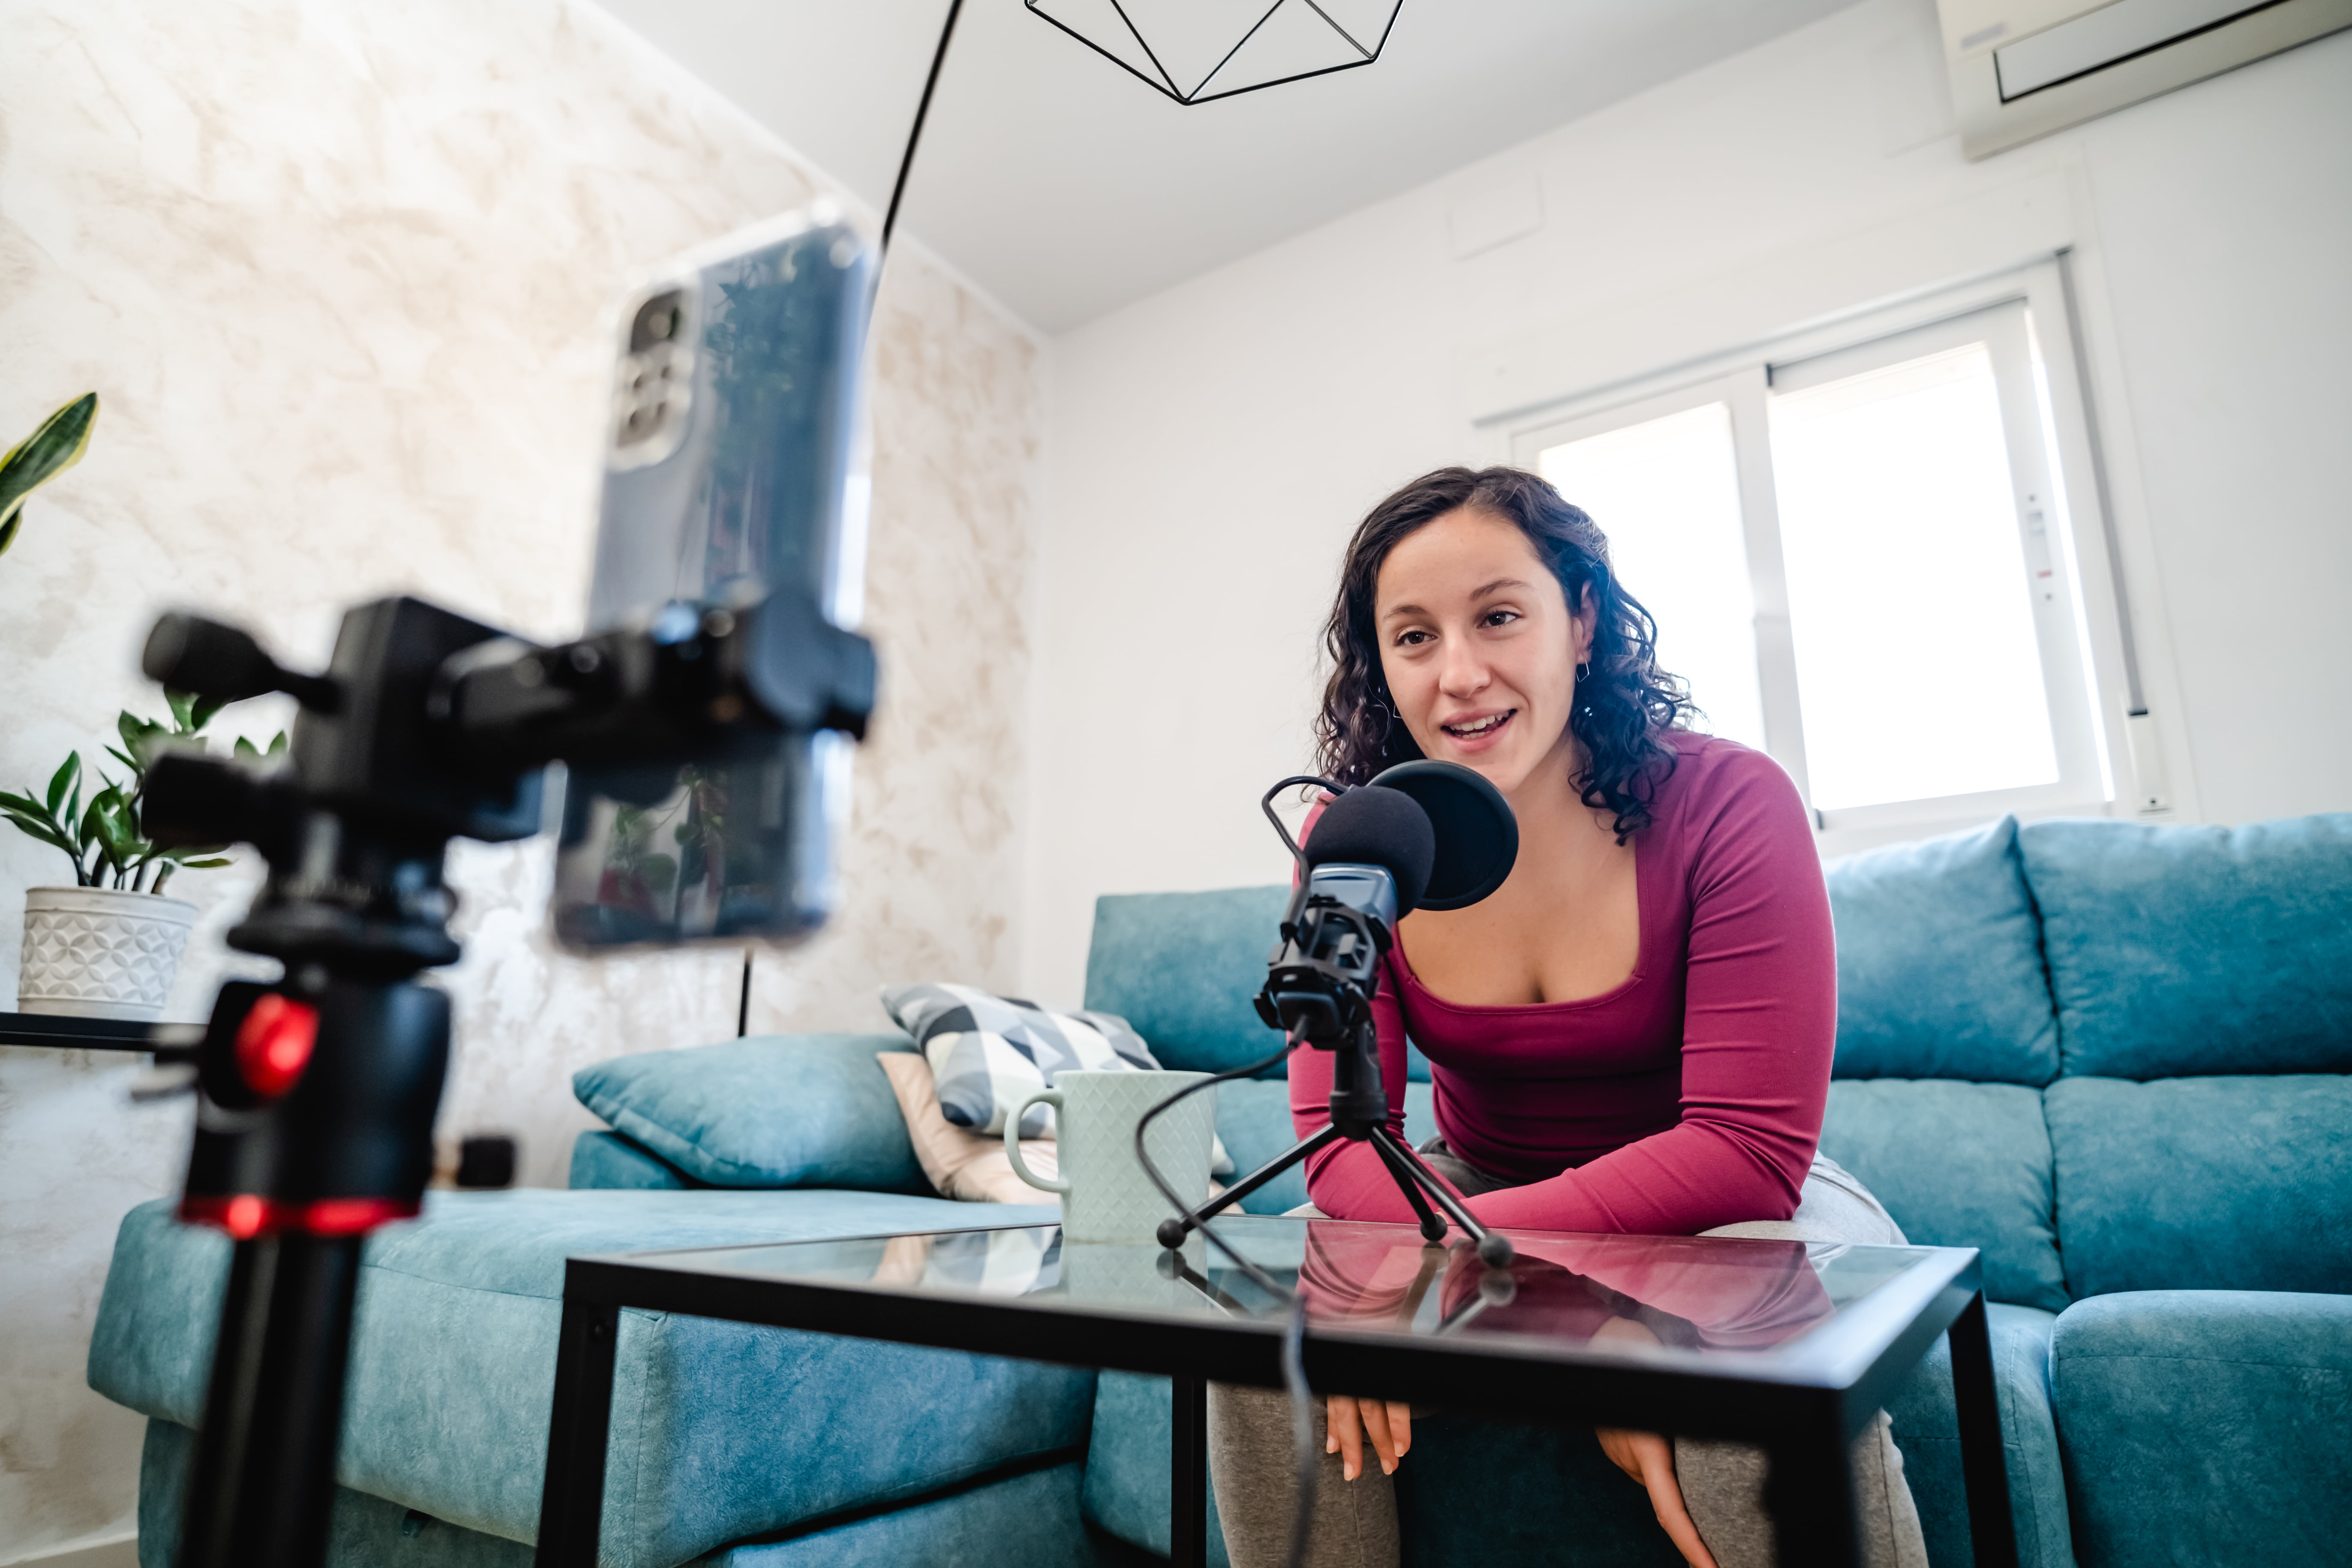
[1983,1461]
[1809,1490]
[1188,1475]
[571,1502]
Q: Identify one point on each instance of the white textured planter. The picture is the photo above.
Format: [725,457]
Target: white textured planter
[101,952]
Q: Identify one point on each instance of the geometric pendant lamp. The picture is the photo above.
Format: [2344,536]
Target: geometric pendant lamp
[1197,50]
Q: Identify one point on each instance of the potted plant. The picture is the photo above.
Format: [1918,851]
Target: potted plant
[107,946]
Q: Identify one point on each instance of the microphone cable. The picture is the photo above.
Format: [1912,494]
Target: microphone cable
[1304,1461]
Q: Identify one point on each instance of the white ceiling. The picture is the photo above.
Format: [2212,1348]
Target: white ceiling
[1067,188]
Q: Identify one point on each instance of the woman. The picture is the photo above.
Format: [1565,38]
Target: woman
[1631,1034]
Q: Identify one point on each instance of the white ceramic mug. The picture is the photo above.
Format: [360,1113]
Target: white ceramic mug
[1106,1195]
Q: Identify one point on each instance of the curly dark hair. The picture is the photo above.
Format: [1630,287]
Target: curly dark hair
[1624,705]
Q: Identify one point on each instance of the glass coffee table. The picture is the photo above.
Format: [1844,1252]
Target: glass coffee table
[1786,1344]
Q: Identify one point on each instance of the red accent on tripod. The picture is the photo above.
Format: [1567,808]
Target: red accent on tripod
[246,1215]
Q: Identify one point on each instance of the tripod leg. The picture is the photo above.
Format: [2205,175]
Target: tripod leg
[1433,1229]
[1172,1232]
[1493,1246]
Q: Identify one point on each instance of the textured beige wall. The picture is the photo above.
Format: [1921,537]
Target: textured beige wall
[338,271]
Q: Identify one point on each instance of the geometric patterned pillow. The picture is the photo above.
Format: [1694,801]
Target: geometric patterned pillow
[987,1051]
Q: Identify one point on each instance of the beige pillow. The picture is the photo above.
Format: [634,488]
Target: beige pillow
[960,1163]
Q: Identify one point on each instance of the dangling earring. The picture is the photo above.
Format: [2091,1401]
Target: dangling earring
[1584,668]
[1388,724]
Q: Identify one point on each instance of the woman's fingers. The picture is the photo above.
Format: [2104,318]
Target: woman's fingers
[1349,1423]
[1379,1426]
[1343,1433]
[1657,1461]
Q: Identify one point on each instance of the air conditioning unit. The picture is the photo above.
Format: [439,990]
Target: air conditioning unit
[2024,68]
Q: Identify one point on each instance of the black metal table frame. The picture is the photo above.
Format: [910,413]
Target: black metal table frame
[1805,1409]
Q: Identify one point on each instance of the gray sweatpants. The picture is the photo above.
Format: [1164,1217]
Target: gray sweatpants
[1722,1483]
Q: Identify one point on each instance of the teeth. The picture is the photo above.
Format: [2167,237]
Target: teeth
[1480,727]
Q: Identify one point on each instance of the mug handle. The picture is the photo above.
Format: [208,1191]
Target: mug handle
[1052,1096]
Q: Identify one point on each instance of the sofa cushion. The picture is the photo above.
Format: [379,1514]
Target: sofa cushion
[720,1431]
[1181,968]
[605,1159]
[2220,1184]
[1957,1165]
[2206,1426]
[1940,962]
[1926,1419]
[774,1110]
[2197,950]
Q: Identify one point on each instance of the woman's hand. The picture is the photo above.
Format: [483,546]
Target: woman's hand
[1348,1421]
[1650,1458]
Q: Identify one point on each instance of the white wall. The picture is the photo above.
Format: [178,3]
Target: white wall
[338,272]
[1211,449]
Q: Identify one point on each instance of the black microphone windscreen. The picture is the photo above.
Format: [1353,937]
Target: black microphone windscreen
[1477,836]
[1382,827]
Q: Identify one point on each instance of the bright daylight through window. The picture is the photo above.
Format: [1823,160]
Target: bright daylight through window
[1860,559]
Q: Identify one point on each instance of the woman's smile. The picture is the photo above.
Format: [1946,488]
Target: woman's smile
[1478,731]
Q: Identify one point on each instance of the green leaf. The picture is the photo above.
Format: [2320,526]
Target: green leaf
[37,828]
[277,744]
[182,706]
[201,711]
[57,445]
[140,735]
[202,864]
[109,822]
[24,802]
[68,771]
[125,758]
[245,748]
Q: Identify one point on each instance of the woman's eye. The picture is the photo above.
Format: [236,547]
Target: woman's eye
[1500,618]
[1411,639]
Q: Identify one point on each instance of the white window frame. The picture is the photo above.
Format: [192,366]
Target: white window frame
[2081,625]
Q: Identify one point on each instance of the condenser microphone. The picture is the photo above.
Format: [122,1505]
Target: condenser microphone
[1425,834]
[1373,850]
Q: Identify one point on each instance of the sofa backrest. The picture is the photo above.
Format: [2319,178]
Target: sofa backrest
[2174,951]
[1181,968]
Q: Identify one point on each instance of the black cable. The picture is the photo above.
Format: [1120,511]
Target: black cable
[1294,1335]
[922,111]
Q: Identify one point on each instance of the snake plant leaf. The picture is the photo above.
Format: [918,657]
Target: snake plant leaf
[41,456]
[69,772]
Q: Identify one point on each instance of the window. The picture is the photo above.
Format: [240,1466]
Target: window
[1859,551]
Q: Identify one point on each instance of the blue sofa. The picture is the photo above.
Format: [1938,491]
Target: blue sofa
[2112,1057]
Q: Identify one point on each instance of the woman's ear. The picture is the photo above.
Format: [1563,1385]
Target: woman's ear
[1588,617]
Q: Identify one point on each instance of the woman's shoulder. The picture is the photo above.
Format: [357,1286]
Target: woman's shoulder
[1714,778]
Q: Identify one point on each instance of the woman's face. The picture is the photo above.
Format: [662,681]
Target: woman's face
[1478,646]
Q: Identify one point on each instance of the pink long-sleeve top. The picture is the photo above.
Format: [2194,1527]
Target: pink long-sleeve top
[1690,1095]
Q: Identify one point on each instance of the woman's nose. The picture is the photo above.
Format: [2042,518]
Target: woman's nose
[1464,673]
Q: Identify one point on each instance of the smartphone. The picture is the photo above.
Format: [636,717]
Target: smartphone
[735,465]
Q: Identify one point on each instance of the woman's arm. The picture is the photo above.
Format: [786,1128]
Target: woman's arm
[1759,1027]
